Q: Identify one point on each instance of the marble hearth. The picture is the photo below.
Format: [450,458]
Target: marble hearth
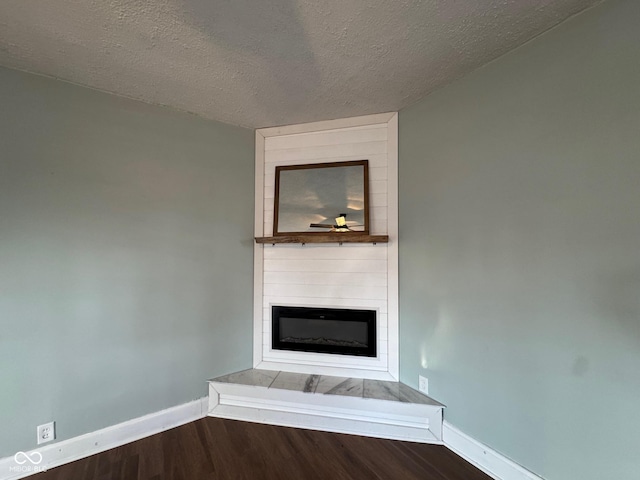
[339,404]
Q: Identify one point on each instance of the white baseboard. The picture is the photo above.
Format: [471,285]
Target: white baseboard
[330,413]
[59,453]
[484,458]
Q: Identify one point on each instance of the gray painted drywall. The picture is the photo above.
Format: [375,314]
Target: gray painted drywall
[520,248]
[125,257]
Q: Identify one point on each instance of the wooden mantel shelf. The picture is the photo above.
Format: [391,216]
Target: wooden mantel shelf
[320,238]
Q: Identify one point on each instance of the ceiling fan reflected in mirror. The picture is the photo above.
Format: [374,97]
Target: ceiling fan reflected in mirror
[341,224]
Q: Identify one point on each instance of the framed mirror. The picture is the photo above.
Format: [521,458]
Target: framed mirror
[322,198]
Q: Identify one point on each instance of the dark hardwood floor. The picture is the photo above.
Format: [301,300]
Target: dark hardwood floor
[213,448]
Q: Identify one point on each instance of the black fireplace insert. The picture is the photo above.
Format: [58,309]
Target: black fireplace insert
[324,330]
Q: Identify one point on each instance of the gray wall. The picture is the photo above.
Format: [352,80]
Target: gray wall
[125,257]
[520,248]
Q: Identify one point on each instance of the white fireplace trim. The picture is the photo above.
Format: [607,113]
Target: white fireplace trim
[386,365]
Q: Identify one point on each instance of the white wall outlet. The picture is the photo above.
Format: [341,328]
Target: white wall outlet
[46,432]
[423,384]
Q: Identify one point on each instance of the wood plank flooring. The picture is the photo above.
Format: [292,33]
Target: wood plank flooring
[214,449]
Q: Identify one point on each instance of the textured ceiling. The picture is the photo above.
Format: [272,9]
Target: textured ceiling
[265,63]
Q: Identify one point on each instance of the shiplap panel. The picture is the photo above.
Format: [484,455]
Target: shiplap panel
[326,278]
[378,226]
[378,200]
[328,137]
[325,291]
[383,335]
[347,276]
[269,191]
[377,161]
[379,360]
[378,213]
[268,204]
[270,177]
[295,265]
[325,302]
[323,125]
[377,186]
[311,251]
[325,151]
[377,173]
[327,360]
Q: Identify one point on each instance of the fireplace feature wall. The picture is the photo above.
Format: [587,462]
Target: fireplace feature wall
[324,330]
[354,276]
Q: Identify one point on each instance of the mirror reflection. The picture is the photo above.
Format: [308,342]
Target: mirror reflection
[322,198]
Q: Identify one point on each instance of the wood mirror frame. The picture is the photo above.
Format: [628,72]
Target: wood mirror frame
[318,194]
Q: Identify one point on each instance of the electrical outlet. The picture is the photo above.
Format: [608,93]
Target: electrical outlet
[423,383]
[46,432]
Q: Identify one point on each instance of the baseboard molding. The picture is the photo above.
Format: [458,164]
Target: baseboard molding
[492,463]
[66,451]
[486,459]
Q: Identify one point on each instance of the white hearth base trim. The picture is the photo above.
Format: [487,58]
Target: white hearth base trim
[66,451]
[492,463]
[330,413]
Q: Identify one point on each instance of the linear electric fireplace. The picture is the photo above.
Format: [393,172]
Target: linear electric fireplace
[324,330]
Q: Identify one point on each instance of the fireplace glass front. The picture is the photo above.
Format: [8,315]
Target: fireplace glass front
[324,330]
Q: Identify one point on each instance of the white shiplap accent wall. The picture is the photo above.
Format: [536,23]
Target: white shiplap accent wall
[347,276]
